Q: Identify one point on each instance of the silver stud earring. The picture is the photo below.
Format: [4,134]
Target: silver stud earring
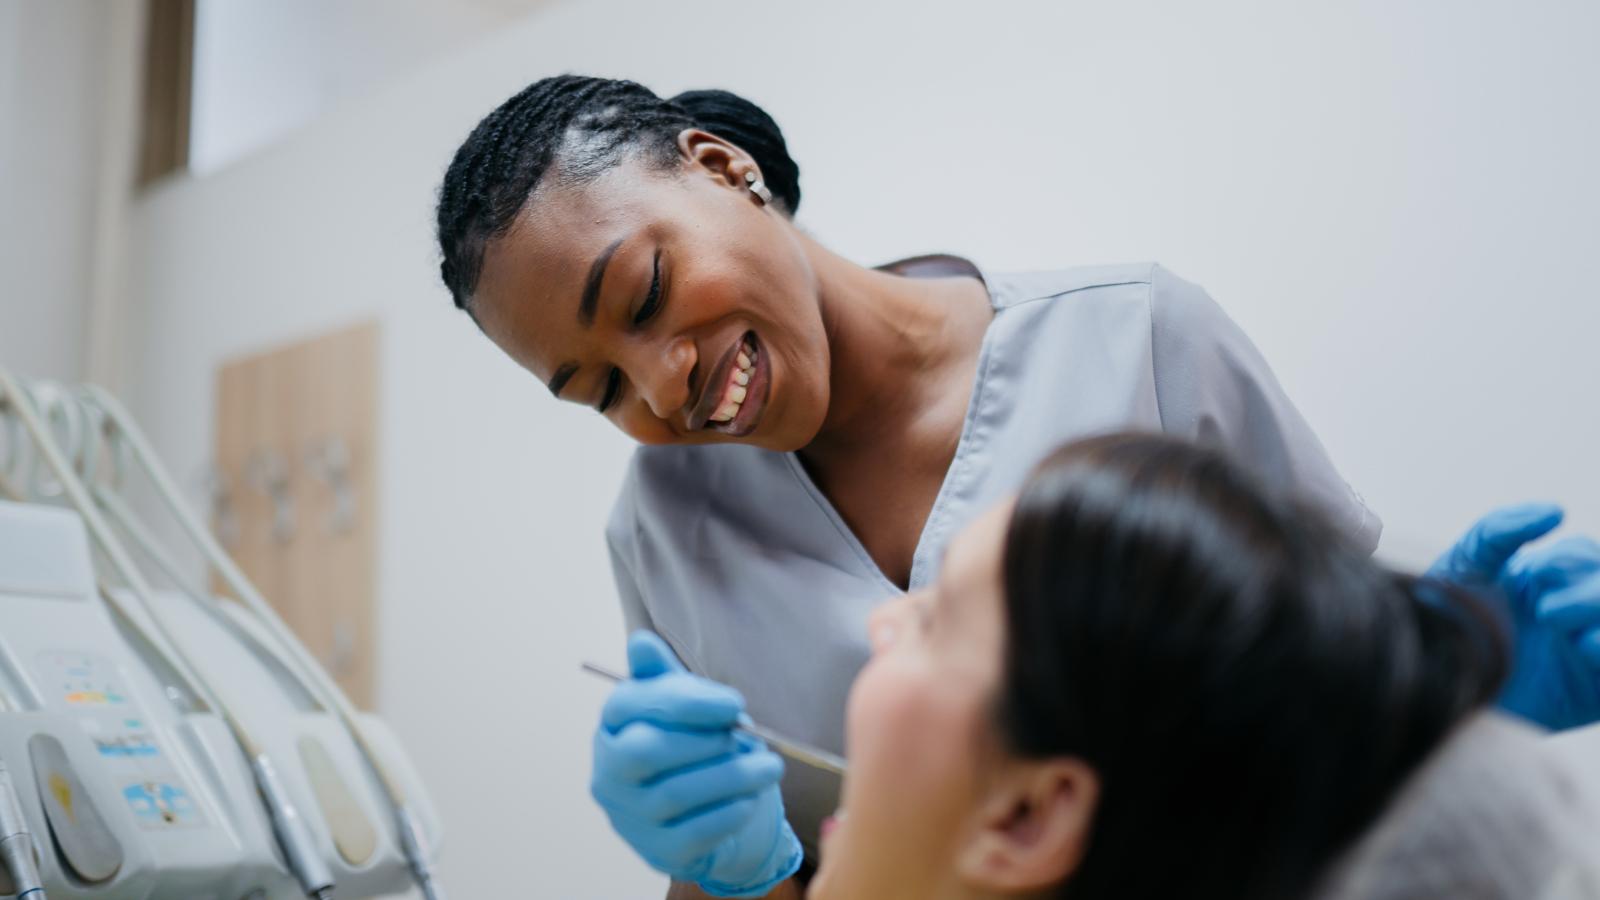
[757,187]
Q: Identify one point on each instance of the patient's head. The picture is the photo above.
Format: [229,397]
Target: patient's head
[1144,677]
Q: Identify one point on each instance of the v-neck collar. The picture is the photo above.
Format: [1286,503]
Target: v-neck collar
[919,560]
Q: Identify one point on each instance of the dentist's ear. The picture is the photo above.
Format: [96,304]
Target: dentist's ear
[716,157]
[1031,833]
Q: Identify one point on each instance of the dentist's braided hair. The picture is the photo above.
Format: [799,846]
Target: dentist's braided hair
[578,127]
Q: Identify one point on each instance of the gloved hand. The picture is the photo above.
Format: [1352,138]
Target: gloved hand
[697,801]
[1551,595]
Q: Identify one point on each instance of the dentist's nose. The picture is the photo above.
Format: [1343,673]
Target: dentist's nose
[663,379]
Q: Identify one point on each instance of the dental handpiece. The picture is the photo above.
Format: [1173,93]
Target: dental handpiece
[16,843]
[795,750]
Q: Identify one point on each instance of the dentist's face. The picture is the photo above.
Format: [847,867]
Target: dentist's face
[921,741]
[672,302]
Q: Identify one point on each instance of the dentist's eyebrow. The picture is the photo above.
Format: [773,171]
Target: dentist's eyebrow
[591,289]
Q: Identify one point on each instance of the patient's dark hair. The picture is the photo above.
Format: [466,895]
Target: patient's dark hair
[1249,689]
[580,127]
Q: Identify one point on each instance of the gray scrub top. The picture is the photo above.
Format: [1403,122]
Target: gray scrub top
[738,560]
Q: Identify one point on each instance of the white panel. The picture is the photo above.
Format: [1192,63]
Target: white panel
[43,553]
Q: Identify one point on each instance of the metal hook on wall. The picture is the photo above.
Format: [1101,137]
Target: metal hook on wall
[328,461]
[219,500]
[342,658]
[267,473]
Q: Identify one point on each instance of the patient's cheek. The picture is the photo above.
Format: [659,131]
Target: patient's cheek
[908,738]
[912,781]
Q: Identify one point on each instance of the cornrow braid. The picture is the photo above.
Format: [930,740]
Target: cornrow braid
[585,124]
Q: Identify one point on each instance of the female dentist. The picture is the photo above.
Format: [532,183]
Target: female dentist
[814,430]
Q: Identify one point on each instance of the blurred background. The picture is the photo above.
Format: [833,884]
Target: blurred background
[222,210]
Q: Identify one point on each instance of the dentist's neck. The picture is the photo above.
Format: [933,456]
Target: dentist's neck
[896,346]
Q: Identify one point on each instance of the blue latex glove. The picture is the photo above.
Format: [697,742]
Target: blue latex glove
[1551,595]
[697,801]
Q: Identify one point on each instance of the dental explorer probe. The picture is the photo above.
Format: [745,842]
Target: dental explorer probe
[801,753]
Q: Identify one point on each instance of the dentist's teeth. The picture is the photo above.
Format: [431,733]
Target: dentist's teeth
[737,388]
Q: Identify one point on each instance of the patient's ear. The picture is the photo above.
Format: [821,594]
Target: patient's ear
[1031,832]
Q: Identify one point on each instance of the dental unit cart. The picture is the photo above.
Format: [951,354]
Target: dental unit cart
[158,744]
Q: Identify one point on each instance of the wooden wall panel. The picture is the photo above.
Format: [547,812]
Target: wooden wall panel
[287,404]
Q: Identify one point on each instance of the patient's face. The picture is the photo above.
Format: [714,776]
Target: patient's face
[919,735]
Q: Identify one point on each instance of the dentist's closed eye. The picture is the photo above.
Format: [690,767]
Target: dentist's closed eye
[652,300]
[647,311]
[613,387]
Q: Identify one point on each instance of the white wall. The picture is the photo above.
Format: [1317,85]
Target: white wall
[52,98]
[1396,200]
[263,70]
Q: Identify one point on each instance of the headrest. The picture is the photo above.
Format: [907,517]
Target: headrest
[1492,814]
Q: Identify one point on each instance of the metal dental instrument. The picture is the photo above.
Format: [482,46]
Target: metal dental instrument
[17,845]
[801,753]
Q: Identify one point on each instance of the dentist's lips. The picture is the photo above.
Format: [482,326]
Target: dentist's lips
[719,386]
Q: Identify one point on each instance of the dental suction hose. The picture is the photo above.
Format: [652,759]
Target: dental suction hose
[16,843]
